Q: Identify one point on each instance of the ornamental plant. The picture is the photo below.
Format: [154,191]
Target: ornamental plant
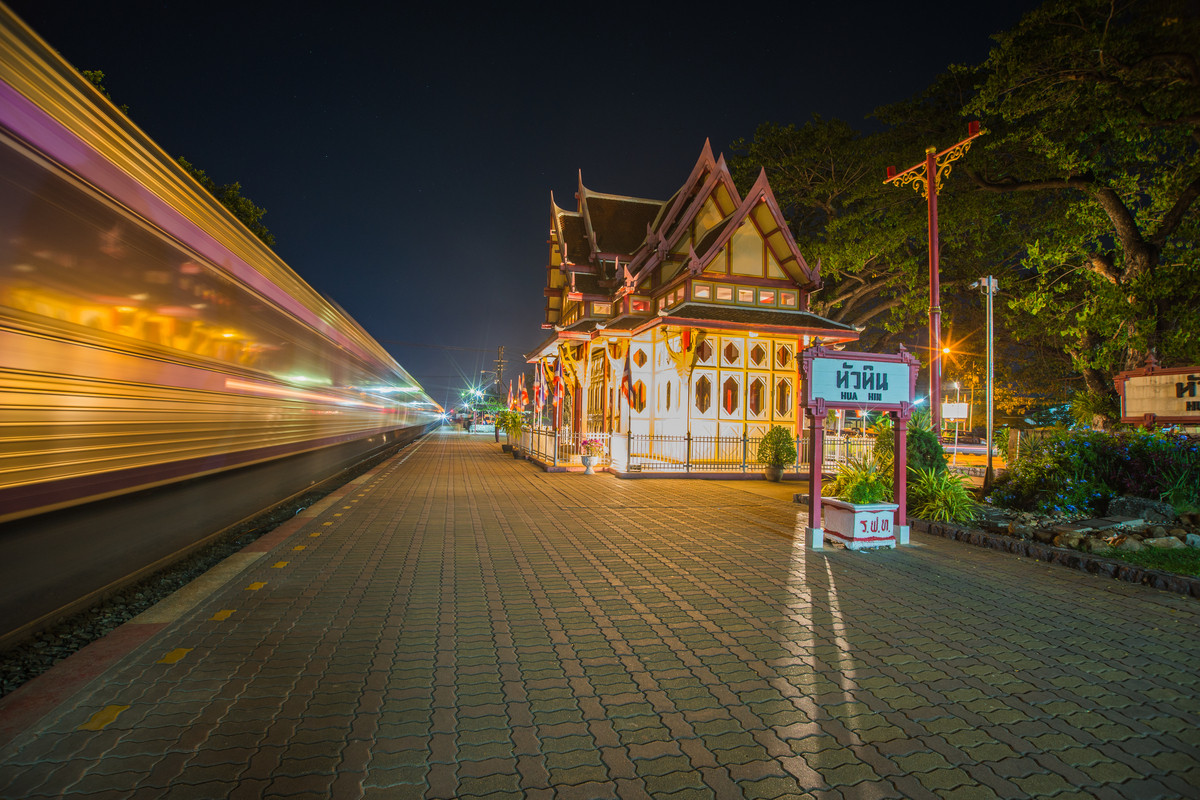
[860,480]
[777,447]
[923,450]
[511,422]
[1076,472]
[592,447]
[939,496]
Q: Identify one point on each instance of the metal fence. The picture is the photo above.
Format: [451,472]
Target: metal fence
[558,449]
[644,453]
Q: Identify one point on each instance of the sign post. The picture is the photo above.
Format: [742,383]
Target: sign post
[865,382]
[1155,395]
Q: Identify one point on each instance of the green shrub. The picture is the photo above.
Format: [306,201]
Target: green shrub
[1078,471]
[860,480]
[923,450]
[939,496]
[777,447]
[510,421]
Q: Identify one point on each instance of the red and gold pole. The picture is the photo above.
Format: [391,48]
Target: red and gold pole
[926,178]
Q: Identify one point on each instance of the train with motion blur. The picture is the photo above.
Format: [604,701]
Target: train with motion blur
[151,347]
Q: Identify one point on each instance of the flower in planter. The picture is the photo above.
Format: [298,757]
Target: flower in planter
[592,447]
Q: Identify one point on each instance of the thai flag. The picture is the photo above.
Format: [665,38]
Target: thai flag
[510,393]
[539,386]
[522,391]
[626,379]
[558,382]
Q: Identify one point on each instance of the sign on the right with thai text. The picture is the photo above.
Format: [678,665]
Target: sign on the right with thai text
[1160,395]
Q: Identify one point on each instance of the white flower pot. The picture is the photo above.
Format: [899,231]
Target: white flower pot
[860,526]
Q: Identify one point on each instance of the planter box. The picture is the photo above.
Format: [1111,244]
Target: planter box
[860,526]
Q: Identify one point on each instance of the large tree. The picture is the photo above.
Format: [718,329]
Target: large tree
[1095,106]
[871,238]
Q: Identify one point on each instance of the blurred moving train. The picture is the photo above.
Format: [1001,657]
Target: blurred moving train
[148,339]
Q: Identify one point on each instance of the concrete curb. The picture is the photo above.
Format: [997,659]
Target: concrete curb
[1084,562]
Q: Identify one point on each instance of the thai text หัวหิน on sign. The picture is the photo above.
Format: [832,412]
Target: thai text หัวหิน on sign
[858,382]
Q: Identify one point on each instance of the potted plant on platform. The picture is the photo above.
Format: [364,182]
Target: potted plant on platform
[512,422]
[591,448]
[860,513]
[776,450]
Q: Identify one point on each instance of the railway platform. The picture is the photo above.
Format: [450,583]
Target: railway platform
[459,624]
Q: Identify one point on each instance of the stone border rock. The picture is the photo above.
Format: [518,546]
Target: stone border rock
[1075,559]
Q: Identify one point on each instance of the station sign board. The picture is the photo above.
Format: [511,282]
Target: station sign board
[858,380]
[1158,395]
[954,411]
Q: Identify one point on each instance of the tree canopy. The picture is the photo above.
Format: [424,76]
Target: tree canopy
[1081,198]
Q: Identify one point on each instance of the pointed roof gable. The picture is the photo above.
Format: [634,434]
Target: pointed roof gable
[708,176]
[760,204]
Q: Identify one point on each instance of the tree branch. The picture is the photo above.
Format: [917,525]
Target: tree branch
[1174,217]
[1013,185]
[875,311]
[1102,264]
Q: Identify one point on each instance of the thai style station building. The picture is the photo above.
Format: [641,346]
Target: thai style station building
[699,302]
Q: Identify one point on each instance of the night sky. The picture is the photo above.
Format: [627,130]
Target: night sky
[406,156]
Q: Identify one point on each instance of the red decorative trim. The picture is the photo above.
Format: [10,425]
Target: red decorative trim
[845,538]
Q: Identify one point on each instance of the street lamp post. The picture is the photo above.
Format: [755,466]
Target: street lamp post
[926,178]
[989,286]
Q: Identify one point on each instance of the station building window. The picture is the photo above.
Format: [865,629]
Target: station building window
[730,396]
[637,397]
[783,398]
[703,394]
[756,397]
[732,353]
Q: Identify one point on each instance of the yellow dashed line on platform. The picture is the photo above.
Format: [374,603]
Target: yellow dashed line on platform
[254,587]
[314,535]
[336,515]
[174,656]
[300,547]
[102,718]
[345,506]
[279,565]
[326,523]
[224,614]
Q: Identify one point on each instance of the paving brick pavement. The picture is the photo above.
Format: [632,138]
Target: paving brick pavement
[459,624]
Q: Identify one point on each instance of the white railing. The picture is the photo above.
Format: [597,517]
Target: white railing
[558,448]
[643,453]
